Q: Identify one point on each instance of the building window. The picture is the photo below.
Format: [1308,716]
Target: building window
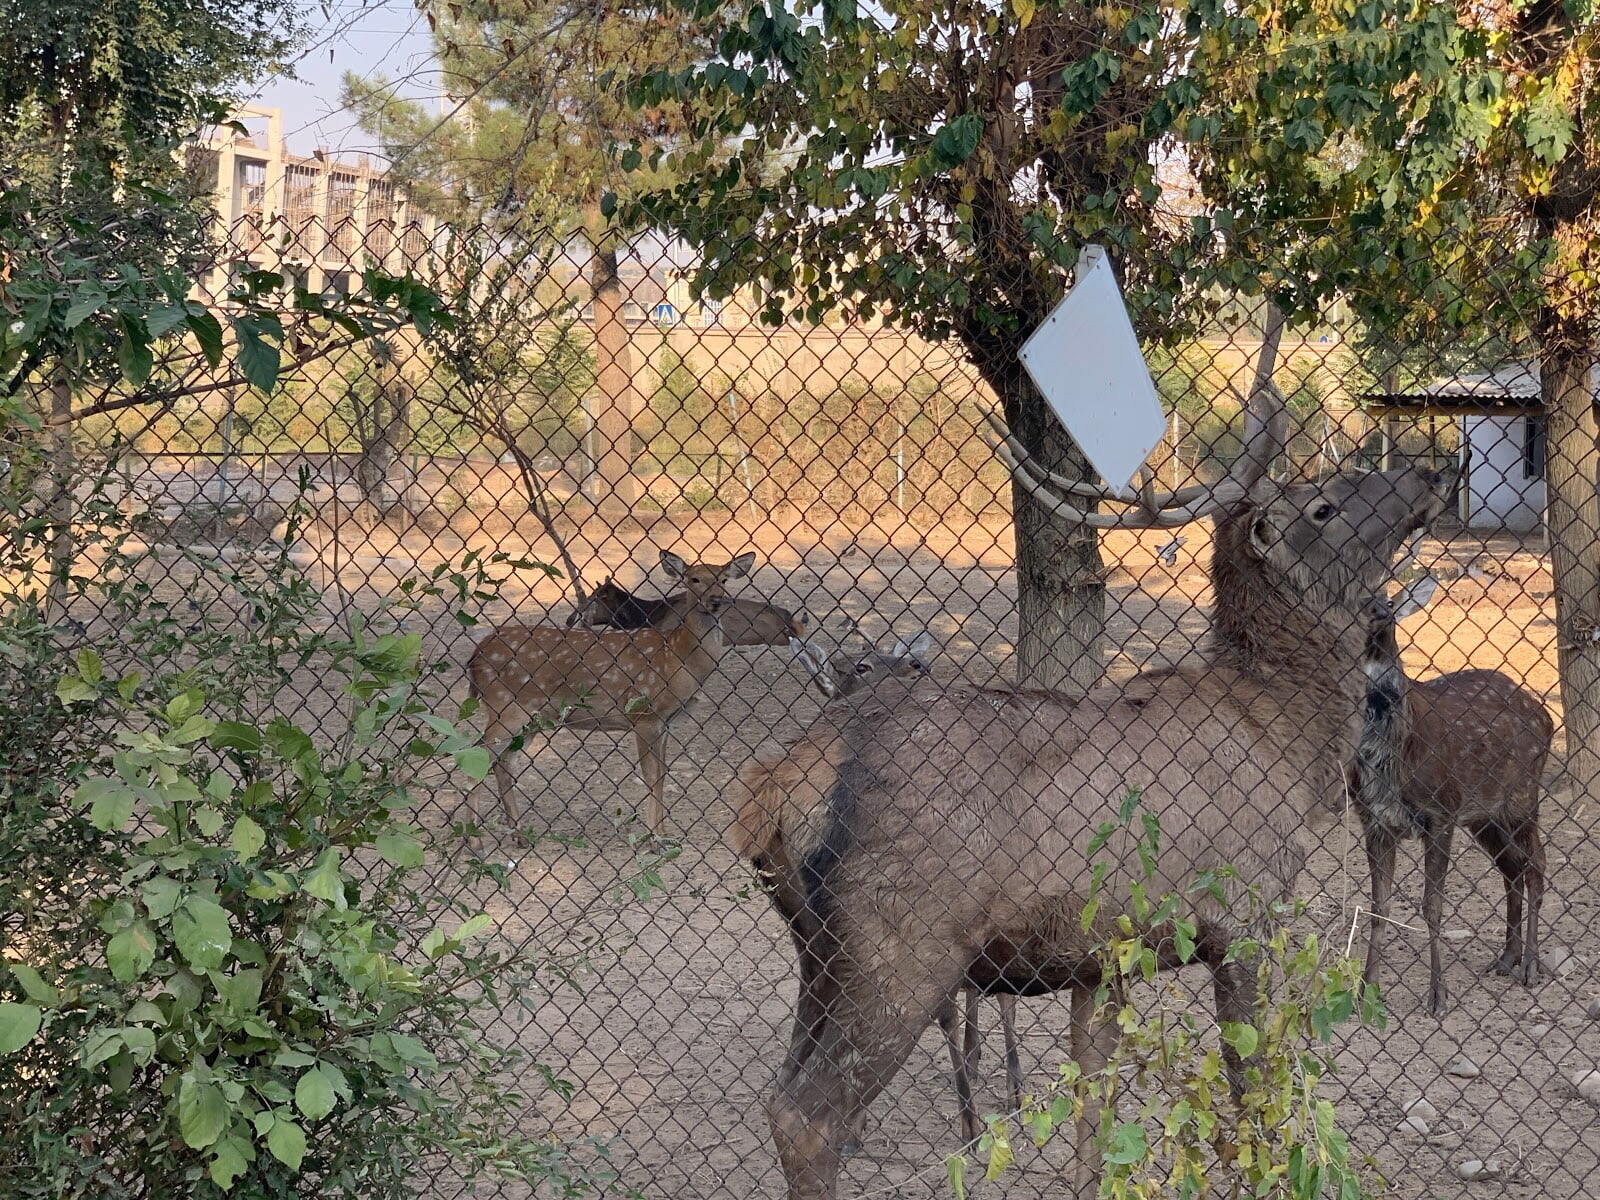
[1533,448]
[252,187]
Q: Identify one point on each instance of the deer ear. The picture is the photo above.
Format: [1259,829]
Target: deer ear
[815,663]
[1260,527]
[1414,597]
[740,567]
[916,649]
[673,565]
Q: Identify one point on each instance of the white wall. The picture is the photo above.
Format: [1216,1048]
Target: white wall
[1500,496]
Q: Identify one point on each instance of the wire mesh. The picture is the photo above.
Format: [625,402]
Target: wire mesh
[649,437]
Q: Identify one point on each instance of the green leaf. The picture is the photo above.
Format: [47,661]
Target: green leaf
[473,926]
[131,952]
[313,1094]
[33,984]
[202,1112]
[287,1141]
[229,1161]
[133,354]
[18,1024]
[207,820]
[202,934]
[1128,1145]
[89,666]
[85,303]
[71,689]
[956,140]
[1001,1155]
[412,1052]
[955,1169]
[248,838]
[325,880]
[161,893]
[241,992]
[110,803]
[399,848]
[259,360]
[1242,1036]
[207,332]
[99,1046]
[474,762]
[236,735]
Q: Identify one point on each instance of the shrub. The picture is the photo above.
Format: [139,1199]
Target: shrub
[1184,1136]
[230,967]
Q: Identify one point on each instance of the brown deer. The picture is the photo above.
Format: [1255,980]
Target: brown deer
[838,674]
[924,828]
[745,622]
[539,677]
[1467,748]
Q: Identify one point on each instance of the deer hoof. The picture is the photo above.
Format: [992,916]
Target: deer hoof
[1438,1001]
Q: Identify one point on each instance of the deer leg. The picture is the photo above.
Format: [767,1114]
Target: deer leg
[1092,1044]
[1498,845]
[1008,1026]
[1518,854]
[950,1020]
[874,1020]
[1533,885]
[651,737]
[1436,868]
[1380,865]
[1234,986]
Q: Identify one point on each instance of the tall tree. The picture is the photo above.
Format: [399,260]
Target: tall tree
[1385,147]
[942,165]
[537,120]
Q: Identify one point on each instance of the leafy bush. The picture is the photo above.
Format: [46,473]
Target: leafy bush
[1168,1124]
[230,968]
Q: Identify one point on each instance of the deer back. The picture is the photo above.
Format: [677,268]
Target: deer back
[1476,746]
[593,678]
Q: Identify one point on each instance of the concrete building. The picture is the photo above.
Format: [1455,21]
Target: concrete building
[318,219]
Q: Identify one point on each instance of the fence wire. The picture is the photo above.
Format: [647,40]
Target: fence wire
[832,481]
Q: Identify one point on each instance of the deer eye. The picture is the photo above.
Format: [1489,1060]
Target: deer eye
[863,668]
[1323,512]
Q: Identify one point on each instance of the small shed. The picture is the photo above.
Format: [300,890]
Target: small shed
[1501,422]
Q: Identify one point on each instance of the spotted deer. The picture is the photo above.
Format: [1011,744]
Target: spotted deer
[534,678]
[1466,748]
[929,832]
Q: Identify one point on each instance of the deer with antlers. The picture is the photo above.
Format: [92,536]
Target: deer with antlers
[534,678]
[928,833]
[1465,748]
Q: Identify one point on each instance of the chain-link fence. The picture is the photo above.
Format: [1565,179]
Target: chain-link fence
[908,813]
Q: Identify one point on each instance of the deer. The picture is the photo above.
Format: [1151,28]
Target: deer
[838,675]
[745,622]
[919,835]
[542,677]
[1467,748]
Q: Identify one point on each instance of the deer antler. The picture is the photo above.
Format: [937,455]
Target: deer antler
[1266,432]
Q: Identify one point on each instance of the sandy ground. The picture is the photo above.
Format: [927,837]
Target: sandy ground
[670,1014]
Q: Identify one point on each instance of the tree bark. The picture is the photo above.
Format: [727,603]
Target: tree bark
[63,544]
[1572,489]
[615,401]
[1061,581]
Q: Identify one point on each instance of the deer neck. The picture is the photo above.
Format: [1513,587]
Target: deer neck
[1299,639]
[698,642]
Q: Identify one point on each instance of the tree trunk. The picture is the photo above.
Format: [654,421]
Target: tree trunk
[1572,477]
[614,399]
[59,509]
[1061,582]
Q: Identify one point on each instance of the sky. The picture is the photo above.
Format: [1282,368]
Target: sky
[367,37]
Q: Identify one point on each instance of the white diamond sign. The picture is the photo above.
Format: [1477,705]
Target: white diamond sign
[1086,362]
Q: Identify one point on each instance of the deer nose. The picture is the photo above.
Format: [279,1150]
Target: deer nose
[798,623]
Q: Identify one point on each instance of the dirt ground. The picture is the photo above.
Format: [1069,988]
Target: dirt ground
[670,1015]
